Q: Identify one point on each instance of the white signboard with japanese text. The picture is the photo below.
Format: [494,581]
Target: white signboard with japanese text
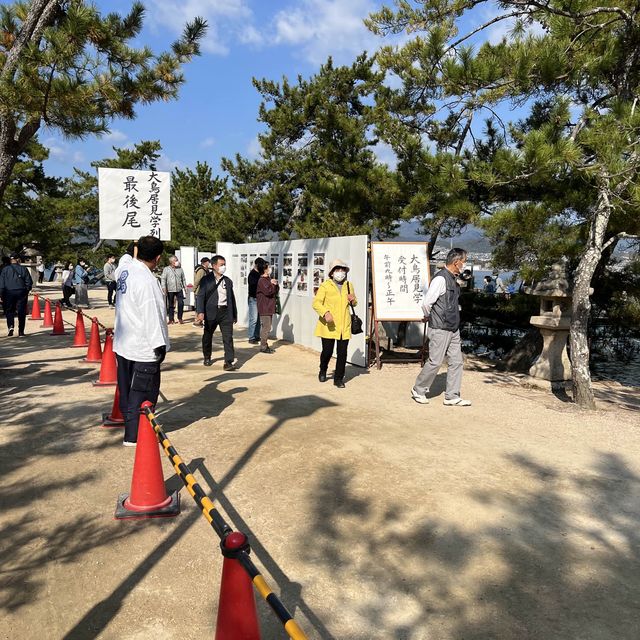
[134,203]
[400,272]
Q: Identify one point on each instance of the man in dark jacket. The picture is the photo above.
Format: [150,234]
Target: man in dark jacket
[15,284]
[442,310]
[216,306]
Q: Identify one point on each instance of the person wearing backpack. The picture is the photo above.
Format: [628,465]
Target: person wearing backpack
[15,284]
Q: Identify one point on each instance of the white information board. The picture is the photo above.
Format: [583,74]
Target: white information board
[301,266]
[400,272]
[134,203]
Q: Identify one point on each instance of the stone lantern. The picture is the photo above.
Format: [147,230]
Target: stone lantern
[553,322]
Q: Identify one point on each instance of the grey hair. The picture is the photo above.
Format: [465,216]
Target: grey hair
[455,254]
[173,258]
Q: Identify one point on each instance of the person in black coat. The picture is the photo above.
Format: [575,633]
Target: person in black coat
[216,306]
[15,284]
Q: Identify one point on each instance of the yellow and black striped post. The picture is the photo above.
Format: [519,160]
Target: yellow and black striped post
[219,525]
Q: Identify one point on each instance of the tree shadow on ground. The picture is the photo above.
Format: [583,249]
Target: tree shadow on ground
[561,559]
[97,619]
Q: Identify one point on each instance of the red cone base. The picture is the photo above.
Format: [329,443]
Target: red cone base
[237,615]
[35,308]
[108,371]
[48,318]
[148,497]
[94,352]
[115,418]
[58,325]
[80,336]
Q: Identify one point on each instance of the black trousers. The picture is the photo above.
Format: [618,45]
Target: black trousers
[67,292]
[327,352]
[172,296]
[226,329]
[111,291]
[137,383]
[14,303]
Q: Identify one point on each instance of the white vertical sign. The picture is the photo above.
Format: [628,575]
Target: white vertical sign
[400,274]
[134,203]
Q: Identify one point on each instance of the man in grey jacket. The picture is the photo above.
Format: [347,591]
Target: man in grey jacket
[109,271]
[174,286]
[442,310]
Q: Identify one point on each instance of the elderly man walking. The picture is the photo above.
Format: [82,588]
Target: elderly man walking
[442,310]
[15,284]
[174,286]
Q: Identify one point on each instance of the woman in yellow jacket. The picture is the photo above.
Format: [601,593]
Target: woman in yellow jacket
[334,323]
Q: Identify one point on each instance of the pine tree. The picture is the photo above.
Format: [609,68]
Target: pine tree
[317,174]
[582,57]
[66,67]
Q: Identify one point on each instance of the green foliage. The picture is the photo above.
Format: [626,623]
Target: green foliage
[31,210]
[66,66]
[202,211]
[317,174]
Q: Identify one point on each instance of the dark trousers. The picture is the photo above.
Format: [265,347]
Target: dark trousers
[172,296]
[40,277]
[226,329]
[137,383]
[327,352]
[14,302]
[111,291]
[67,292]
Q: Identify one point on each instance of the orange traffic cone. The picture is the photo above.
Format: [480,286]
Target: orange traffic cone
[35,308]
[94,352]
[80,336]
[58,325]
[148,497]
[237,615]
[48,318]
[108,371]
[115,418]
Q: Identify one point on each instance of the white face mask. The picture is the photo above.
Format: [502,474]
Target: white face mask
[222,269]
[269,271]
[339,276]
[176,264]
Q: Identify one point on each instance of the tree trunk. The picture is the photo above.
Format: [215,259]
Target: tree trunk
[581,305]
[7,162]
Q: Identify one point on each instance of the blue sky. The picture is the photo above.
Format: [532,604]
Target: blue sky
[216,113]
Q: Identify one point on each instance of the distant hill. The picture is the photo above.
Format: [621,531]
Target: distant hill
[472,239]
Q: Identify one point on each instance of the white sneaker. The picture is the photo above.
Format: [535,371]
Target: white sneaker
[457,402]
[420,399]
[126,443]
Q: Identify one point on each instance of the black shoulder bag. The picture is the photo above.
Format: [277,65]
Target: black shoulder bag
[356,321]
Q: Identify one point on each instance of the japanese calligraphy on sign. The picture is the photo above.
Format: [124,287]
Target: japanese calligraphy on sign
[400,274]
[134,203]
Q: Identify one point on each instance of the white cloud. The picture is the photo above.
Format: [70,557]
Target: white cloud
[254,149]
[228,20]
[114,136]
[325,28]
[165,163]
[63,152]
[208,142]
[385,154]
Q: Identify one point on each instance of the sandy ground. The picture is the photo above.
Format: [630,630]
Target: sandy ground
[372,516]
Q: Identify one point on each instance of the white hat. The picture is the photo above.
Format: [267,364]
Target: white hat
[337,263]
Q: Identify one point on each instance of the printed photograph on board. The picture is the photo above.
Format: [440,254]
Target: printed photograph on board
[243,268]
[318,271]
[302,277]
[287,271]
[275,266]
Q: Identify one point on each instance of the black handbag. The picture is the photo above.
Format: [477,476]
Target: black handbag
[356,321]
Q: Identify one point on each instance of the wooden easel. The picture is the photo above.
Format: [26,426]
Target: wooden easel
[374,351]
